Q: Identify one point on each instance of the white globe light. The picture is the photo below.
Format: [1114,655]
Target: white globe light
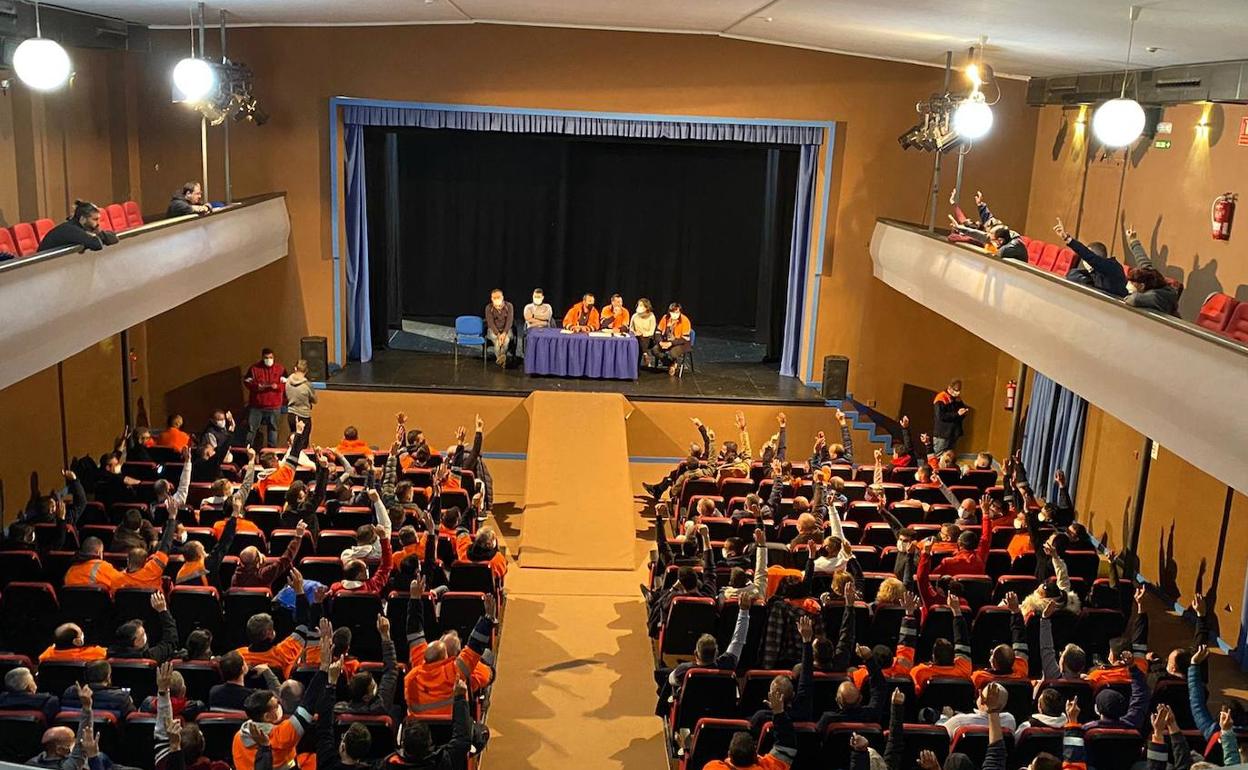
[973,118]
[1118,122]
[194,78]
[42,64]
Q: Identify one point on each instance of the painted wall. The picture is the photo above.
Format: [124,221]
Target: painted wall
[584,70]
[1166,195]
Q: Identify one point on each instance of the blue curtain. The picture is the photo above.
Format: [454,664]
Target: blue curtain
[1053,436]
[799,256]
[579,125]
[356,117]
[359,330]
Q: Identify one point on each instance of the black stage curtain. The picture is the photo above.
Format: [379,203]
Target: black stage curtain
[453,214]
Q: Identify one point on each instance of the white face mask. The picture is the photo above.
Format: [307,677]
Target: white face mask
[180,537]
[955,393]
[640,310]
[725,553]
[537,299]
[498,302]
[219,423]
[675,316]
[268,362]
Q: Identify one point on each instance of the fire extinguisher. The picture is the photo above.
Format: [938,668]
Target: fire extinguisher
[1222,214]
[1011,388]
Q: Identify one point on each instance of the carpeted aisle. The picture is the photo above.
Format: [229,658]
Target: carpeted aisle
[578,511]
[575,686]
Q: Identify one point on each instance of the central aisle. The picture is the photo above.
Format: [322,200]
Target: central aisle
[575,686]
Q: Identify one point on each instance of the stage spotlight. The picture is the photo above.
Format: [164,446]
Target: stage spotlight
[41,64]
[1118,122]
[194,80]
[973,117]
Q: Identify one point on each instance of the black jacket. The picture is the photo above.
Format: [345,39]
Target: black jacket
[228,696]
[159,652]
[449,756]
[36,701]
[115,700]
[70,233]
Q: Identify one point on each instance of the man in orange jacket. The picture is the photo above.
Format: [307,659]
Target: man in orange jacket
[68,644]
[143,571]
[267,725]
[675,336]
[429,686]
[90,569]
[583,316]
[614,316]
[261,635]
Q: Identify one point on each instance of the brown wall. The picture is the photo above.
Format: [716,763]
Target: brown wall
[1166,195]
[586,70]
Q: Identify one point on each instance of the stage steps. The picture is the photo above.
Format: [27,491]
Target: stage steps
[578,511]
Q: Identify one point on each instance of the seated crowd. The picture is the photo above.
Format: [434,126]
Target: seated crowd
[910,610]
[1139,285]
[211,606]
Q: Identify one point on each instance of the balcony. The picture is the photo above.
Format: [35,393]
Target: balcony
[56,303]
[1173,381]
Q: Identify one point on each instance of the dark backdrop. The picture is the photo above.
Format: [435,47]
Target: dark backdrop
[453,214]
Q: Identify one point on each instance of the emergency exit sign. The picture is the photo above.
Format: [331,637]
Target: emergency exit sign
[1162,144]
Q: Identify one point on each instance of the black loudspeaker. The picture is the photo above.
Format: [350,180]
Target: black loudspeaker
[835,377]
[315,350]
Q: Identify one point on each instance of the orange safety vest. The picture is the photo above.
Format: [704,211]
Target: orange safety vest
[430,687]
[73,654]
[95,572]
[147,576]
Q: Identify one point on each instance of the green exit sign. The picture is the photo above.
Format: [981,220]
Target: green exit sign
[1162,144]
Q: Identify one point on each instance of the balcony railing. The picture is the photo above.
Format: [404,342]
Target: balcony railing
[1182,385]
[54,304]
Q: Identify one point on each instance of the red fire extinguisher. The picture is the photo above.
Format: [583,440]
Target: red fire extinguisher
[1011,388]
[1222,214]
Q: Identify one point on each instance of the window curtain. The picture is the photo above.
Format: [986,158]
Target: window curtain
[359,327]
[356,117]
[1053,436]
[799,255]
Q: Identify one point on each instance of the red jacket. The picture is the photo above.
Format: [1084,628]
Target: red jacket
[265,385]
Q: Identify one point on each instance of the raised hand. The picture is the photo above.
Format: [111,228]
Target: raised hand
[1225,722]
[1060,229]
[777,468]
[806,629]
[899,697]
[295,580]
[1199,605]
[335,668]
[1059,477]
[840,417]
[739,420]
[850,593]
[979,198]
[479,424]
[489,606]
[418,587]
[780,418]
[1140,593]
[1011,601]
[1202,652]
[696,422]
[1072,711]
[299,425]
[158,602]
[910,602]
[164,676]
[85,696]
[258,737]
[401,418]
[857,742]
[90,745]
[461,688]
[760,538]
[904,421]
[928,761]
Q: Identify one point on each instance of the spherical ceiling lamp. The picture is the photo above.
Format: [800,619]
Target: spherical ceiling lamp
[194,78]
[1118,122]
[41,64]
[973,117]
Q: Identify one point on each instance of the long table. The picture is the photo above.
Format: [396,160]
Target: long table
[556,353]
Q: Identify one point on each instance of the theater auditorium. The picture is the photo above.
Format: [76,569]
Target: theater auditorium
[665,385]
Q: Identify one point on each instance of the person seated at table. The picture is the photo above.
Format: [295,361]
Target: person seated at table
[582,317]
[615,316]
[538,314]
[643,325]
[675,330]
[499,318]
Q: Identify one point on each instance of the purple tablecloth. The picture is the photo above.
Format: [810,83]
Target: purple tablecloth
[550,351]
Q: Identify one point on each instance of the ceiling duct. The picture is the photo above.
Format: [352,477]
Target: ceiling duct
[1212,82]
[72,29]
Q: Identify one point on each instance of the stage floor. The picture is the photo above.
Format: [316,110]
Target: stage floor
[404,370]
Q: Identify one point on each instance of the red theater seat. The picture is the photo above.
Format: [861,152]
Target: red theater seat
[117,215]
[7,243]
[1065,258]
[1237,324]
[1048,257]
[25,238]
[133,217]
[106,222]
[42,226]
[1034,250]
[1217,310]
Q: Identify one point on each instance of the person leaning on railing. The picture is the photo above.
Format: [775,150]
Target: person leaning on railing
[82,228]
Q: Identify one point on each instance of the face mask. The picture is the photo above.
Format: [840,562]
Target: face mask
[724,552]
[497,302]
[675,316]
[903,546]
[180,538]
[537,299]
[955,393]
[640,310]
[268,362]
[219,423]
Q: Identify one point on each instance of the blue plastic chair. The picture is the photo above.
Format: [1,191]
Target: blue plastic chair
[687,358]
[470,330]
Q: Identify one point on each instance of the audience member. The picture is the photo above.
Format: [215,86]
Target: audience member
[189,200]
[82,228]
[300,398]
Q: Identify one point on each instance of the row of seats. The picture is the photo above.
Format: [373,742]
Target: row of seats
[1050,257]
[1107,748]
[690,617]
[131,741]
[1225,315]
[23,238]
[37,609]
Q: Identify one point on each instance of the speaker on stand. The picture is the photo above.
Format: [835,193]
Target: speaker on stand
[835,378]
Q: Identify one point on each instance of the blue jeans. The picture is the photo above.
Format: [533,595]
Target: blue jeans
[255,417]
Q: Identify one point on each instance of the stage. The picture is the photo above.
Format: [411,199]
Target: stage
[427,372]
